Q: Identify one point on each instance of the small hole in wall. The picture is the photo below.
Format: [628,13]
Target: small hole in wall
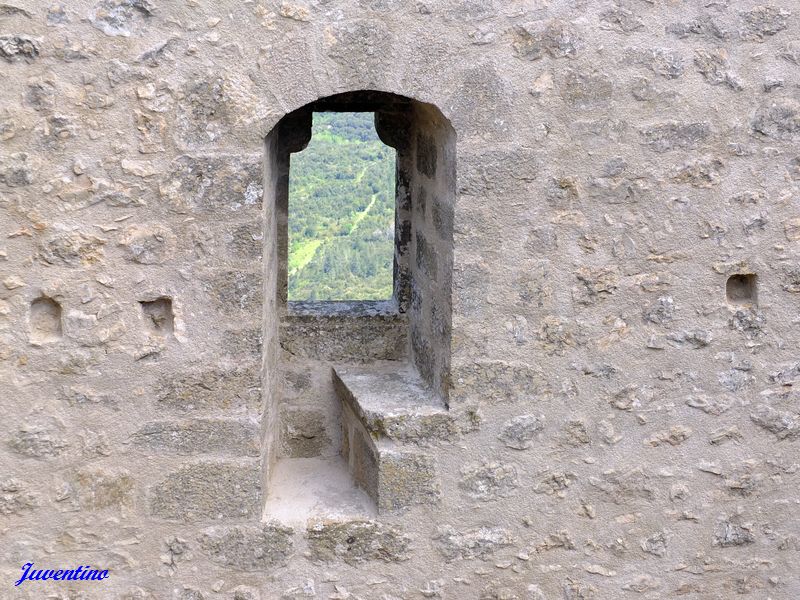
[158,315]
[45,320]
[741,289]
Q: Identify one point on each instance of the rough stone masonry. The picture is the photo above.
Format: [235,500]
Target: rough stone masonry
[599,280]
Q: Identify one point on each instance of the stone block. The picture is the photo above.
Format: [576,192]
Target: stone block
[519,432]
[248,547]
[481,542]
[99,489]
[72,249]
[147,244]
[406,478]
[42,438]
[369,332]
[235,292]
[394,404]
[356,542]
[303,434]
[16,498]
[199,436]
[208,491]
[488,481]
[219,183]
[18,47]
[211,389]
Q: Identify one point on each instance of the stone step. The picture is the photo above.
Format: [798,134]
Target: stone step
[388,418]
[394,403]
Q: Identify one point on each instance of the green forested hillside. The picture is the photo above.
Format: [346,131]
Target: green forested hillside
[341,212]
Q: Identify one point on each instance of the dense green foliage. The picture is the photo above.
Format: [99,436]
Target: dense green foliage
[341,212]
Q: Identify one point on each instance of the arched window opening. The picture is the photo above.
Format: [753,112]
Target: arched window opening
[354,381]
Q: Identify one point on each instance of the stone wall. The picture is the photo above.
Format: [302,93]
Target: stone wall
[622,414]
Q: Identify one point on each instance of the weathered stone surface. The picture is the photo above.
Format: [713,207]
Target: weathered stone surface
[675,436]
[519,432]
[595,284]
[488,481]
[783,424]
[701,173]
[303,434]
[147,245]
[556,38]
[41,95]
[557,335]
[628,487]
[750,322]
[714,67]
[209,491]
[587,89]
[206,111]
[620,20]
[39,439]
[356,542]
[246,592]
[730,532]
[368,39]
[406,479]
[553,483]
[227,183]
[16,169]
[98,490]
[235,291]
[197,436]
[211,389]
[672,135]
[611,419]
[655,544]
[661,312]
[499,381]
[665,62]
[763,21]
[19,47]
[480,543]
[779,119]
[690,339]
[73,249]
[711,406]
[503,166]
[246,241]
[248,548]
[16,498]
[117,17]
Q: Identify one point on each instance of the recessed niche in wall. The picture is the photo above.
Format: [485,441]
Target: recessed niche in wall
[158,315]
[395,344]
[45,320]
[741,289]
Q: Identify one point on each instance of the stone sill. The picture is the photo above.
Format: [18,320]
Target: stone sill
[345,331]
[336,309]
